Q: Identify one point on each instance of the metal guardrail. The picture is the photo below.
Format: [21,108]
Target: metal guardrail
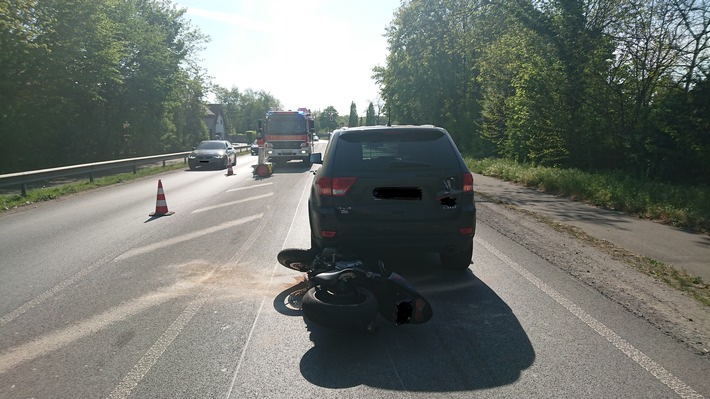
[20,179]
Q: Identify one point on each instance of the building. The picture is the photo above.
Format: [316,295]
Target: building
[214,119]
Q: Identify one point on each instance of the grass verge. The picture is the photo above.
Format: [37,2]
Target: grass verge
[686,207]
[12,201]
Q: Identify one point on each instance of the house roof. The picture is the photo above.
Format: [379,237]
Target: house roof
[211,113]
[214,109]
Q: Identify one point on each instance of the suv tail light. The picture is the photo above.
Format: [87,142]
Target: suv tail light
[468,183]
[335,186]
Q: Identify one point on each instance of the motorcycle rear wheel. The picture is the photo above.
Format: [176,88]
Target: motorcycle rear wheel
[357,312]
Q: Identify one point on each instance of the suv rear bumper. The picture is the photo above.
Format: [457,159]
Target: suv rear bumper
[441,237]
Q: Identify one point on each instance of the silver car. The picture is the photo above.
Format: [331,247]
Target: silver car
[213,154]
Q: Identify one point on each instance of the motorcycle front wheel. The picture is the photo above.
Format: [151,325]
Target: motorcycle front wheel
[296,258]
[354,312]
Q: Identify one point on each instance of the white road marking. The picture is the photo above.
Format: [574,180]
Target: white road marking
[188,237]
[49,293]
[250,187]
[131,380]
[263,299]
[60,338]
[140,369]
[209,208]
[655,369]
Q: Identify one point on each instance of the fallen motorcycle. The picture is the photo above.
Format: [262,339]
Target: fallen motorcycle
[346,292]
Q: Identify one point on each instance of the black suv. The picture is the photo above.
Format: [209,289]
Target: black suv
[384,188]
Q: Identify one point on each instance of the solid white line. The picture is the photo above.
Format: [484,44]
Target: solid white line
[661,374]
[209,208]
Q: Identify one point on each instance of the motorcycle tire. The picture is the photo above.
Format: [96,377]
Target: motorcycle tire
[296,258]
[328,310]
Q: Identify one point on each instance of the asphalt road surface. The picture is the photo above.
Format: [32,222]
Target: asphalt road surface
[99,300]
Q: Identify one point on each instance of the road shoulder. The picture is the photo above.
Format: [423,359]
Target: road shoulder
[673,312]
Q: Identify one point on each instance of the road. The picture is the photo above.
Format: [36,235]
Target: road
[97,299]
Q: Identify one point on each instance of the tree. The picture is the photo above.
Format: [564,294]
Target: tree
[353,118]
[94,80]
[189,127]
[594,84]
[378,106]
[327,119]
[370,116]
[430,72]
[244,109]
[521,102]
[694,40]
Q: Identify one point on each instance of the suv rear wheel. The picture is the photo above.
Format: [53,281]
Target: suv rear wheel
[457,260]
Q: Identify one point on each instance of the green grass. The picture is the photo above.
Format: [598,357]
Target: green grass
[681,206]
[12,201]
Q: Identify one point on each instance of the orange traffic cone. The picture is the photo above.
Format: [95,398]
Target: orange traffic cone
[230,171]
[161,207]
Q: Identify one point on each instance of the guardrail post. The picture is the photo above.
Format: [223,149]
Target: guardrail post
[91,177]
[135,170]
[24,189]
[163,163]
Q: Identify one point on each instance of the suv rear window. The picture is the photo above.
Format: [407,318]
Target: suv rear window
[394,149]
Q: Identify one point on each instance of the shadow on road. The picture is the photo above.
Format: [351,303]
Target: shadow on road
[474,341]
[292,167]
[288,302]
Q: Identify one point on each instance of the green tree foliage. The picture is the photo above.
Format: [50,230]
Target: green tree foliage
[430,75]
[187,125]
[370,115]
[353,118]
[328,119]
[243,110]
[89,80]
[592,84]
[522,104]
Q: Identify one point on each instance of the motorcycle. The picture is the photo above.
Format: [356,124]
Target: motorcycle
[346,292]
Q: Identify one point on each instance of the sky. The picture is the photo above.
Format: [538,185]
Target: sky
[305,53]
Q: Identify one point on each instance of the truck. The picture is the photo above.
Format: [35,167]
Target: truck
[288,135]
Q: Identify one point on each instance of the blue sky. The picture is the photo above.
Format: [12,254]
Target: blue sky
[307,53]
